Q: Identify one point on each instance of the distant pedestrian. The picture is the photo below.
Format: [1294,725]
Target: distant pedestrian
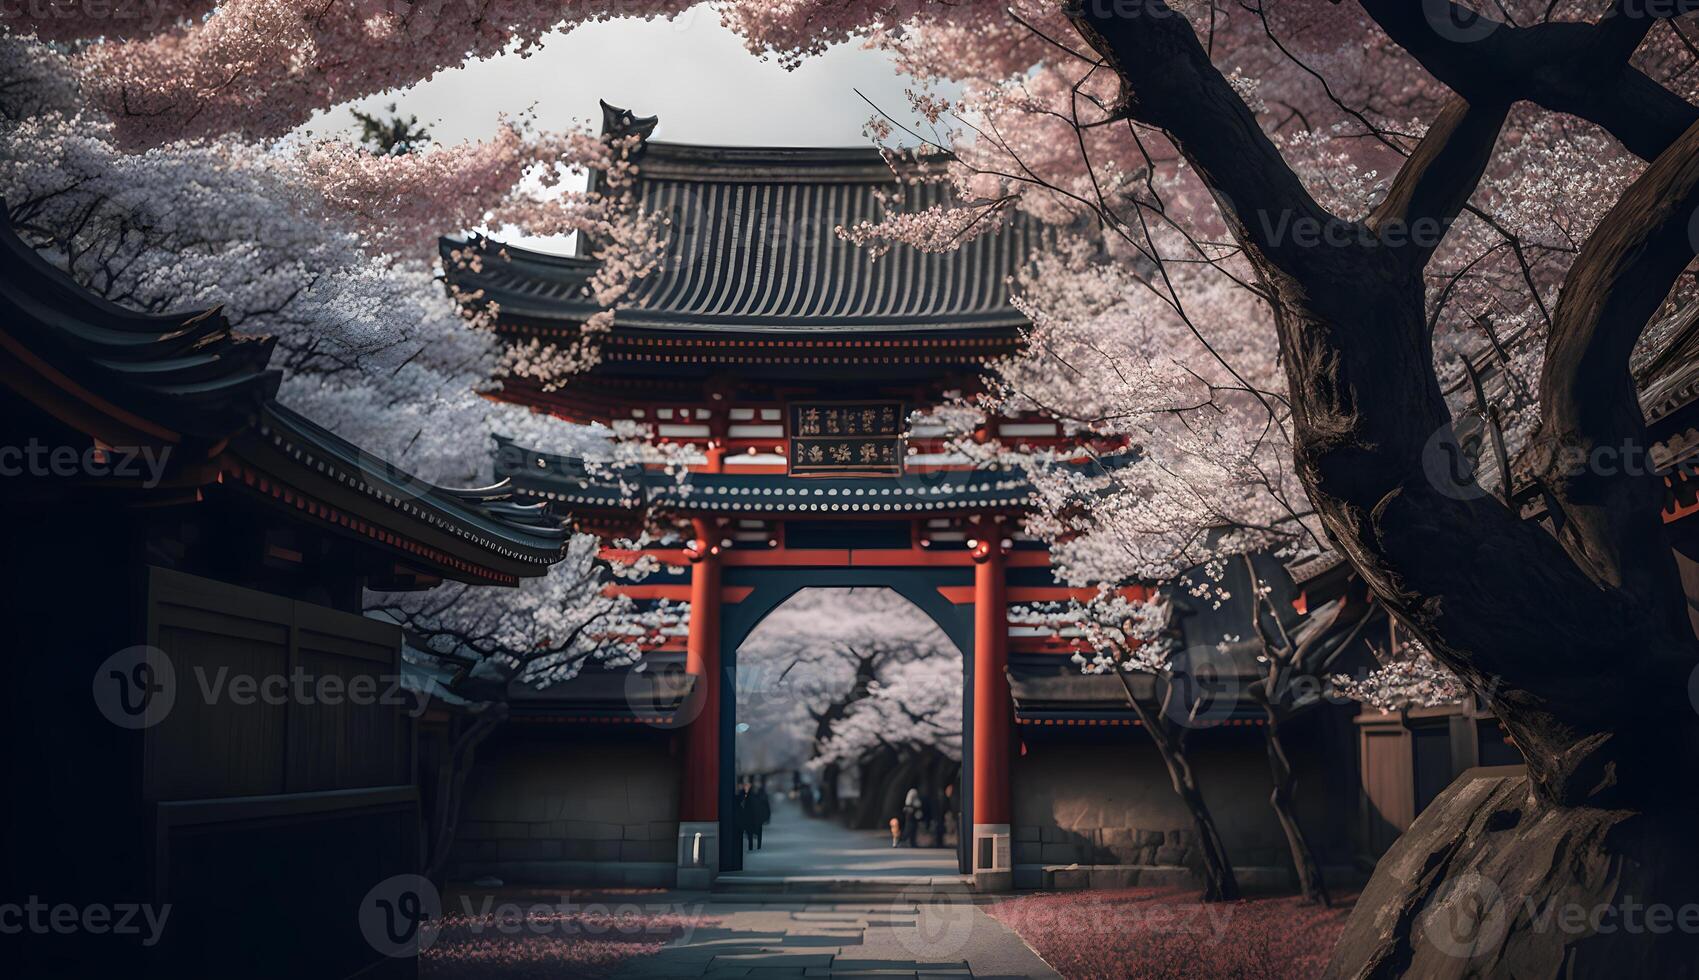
[745,814]
[896,831]
[914,811]
[940,811]
[760,810]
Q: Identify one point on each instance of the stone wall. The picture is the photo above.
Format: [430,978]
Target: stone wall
[1104,800]
[549,808]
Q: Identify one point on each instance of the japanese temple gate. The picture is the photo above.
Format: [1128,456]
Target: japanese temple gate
[791,361]
[964,584]
[977,626]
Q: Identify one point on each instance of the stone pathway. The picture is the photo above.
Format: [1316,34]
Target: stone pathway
[798,845]
[925,936]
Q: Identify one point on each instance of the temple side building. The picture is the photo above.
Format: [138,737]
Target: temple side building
[200,721]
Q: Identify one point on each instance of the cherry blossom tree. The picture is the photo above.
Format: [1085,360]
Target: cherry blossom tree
[482,641]
[905,734]
[295,241]
[1407,676]
[1295,657]
[1121,636]
[917,707]
[829,662]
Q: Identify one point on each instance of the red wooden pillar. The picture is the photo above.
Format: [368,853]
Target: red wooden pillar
[699,797]
[992,716]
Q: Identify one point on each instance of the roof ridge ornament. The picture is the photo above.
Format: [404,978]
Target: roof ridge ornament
[617,122]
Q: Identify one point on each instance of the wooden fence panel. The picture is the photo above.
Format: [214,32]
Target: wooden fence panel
[210,745]
[272,695]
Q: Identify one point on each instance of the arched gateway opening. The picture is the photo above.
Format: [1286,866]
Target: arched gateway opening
[845,702]
[962,591]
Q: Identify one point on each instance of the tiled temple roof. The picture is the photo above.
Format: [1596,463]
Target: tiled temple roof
[489,518]
[753,248]
[188,380]
[188,372]
[1669,378]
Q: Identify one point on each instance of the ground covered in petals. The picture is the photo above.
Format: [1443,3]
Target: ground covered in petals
[1155,934]
[521,938]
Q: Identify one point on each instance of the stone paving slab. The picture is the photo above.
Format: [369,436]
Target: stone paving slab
[767,957]
[947,939]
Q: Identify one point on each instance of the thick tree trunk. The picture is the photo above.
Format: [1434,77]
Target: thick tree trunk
[870,811]
[1526,619]
[1220,884]
[1579,641]
[829,802]
[909,772]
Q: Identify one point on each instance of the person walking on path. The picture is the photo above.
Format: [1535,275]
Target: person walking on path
[914,811]
[745,813]
[760,811]
[940,814]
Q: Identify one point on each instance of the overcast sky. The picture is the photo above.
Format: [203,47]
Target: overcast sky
[693,73]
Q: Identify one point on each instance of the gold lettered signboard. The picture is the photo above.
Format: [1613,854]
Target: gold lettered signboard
[845,438]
